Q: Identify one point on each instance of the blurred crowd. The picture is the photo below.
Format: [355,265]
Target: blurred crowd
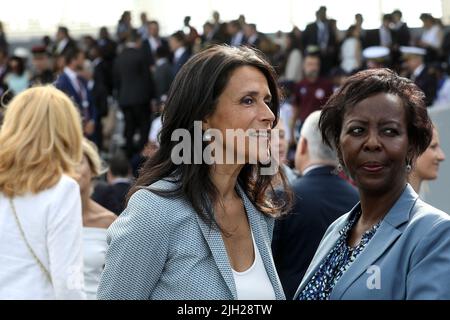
[118,85]
[120,81]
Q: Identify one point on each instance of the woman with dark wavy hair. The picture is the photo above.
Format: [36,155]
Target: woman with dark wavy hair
[391,245]
[198,227]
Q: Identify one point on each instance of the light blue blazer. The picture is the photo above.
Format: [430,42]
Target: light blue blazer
[407,258]
[159,248]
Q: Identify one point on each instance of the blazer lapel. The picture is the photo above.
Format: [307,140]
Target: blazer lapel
[260,230]
[215,242]
[387,233]
[383,238]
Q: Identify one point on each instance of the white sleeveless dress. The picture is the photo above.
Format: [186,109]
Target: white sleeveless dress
[94,252]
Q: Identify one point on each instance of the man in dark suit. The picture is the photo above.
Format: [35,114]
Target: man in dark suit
[163,72]
[180,51]
[251,36]
[320,35]
[135,89]
[76,87]
[383,36]
[112,194]
[418,72]
[64,42]
[153,42]
[402,35]
[321,197]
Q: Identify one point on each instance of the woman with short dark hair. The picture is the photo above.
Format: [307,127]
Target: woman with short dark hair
[195,228]
[391,245]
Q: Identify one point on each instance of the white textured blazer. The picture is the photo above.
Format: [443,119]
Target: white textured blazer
[159,248]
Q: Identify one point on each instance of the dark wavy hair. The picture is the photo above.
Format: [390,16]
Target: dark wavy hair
[367,83]
[193,96]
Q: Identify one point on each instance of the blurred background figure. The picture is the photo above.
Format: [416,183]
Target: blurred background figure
[153,41]
[311,93]
[134,90]
[40,206]
[320,197]
[427,164]
[42,71]
[76,87]
[112,194]
[236,33]
[351,50]
[419,72]
[64,42]
[402,36]
[96,219]
[18,78]
[143,28]
[252,37]
[4,45]
[431,38]
[320,34]
[124,27]
[292,72]
[162,72]
[443,84]
[376,57]
[180,50]
[190,32]
[283,151]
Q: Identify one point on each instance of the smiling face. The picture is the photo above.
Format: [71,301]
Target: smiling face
[374,143]
[427,165]
[245,104]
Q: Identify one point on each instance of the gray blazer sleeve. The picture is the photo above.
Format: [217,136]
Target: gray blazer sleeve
[429,277]
[138,248]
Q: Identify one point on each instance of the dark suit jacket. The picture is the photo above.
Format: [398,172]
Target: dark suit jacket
[112,197]
[163,78]
[100,90]
[63,83]
[320,198]
[132,77]
[372,38]
[177,64]
[147,49]
[401,37]
[428,83]
[310,35]
[71,45]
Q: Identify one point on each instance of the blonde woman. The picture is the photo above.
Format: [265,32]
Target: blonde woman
[427,165]
[96,219]
[40,206]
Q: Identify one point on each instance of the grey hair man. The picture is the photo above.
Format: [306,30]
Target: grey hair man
[311,151]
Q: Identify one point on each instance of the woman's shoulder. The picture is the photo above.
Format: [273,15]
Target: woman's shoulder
[101,217]
[65,186]
[426,217]
[67,182]
[157,200]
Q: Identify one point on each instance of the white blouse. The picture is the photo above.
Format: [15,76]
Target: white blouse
[94,252]
[254,283]
[52,223]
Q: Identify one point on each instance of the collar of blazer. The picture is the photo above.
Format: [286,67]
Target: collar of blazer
[260,228]
[387,233]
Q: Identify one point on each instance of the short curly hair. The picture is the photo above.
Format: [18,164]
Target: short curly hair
[367,83]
